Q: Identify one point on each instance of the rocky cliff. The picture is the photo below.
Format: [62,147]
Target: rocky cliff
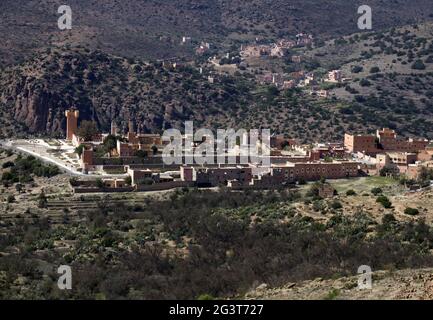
[106,88]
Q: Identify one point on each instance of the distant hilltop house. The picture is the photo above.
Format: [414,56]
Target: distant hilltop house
[203,48]
[296,59]
[335,76]
[276,79]
[186,39]
[173,64]
[288,81]
[278,49]
[255,51]
[286,44]
[281,48]
[303,39]
[289,84]
[298,75]
[321,93]
[308,79]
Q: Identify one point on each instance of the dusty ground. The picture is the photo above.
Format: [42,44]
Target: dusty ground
[386,285]
[364,201]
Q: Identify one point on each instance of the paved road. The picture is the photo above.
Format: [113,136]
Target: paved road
[39,151]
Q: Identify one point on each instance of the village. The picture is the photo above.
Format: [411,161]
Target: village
[256,59]
[133,161]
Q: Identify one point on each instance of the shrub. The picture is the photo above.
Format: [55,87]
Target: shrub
[42,200]
[388,218]
[418,65]
[364,83]
[376,191]
[79,150]
[333,294]
[336,205]
[350,192]
[411,211]
[301,181]
[87,130]
[128,180]
[8,164]
[99,183]
[374,70]
[384,201]
[357,69]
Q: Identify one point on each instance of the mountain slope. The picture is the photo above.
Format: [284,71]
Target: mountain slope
[35,94]
[106,88]
[153,28]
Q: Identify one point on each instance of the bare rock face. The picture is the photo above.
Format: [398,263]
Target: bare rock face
[30,108]
[104,88]
[37,108]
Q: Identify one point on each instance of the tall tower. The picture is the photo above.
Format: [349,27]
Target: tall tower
[132,138]
[131,126]
[113,128]
[71,123]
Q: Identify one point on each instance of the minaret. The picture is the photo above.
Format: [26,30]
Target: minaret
[132,138]
[71,123]
[131,126]
[113,128]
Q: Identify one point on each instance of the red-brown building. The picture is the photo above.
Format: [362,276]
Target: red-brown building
[311,171]
[385,140]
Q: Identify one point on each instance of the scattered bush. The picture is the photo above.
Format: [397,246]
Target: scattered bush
[374,70]
[350,192]
[418,65]
[336,205]
[384,201]
[376,191]
[411,211]
[8,164]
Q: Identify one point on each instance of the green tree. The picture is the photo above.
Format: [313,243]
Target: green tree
[384,201]
[350,192]
[79,150]
[19,187]
[141,154]
[110,143]
[42,200]
[10,199]
[376,191]
[87,130]
[374,70]
[99,183]
[128,180]
[418,65]
[411,211]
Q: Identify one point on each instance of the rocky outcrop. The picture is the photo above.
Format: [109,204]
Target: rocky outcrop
[103,88]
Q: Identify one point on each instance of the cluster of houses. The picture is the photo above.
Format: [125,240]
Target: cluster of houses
[137,159]
[278,49]
[302,79]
